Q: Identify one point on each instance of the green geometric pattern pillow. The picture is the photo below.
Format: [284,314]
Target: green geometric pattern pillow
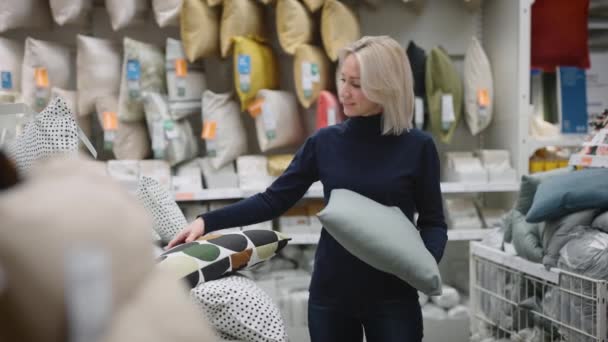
[215,254]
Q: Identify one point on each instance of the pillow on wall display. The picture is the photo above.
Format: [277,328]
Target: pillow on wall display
[223,130]
[45,65]
[277,120]
[199,29]
[255,68]
[166,12]
[311,73]
[127,13]
[131,141]
[143,70]
[329,111]
[71,12]
[294,25]
[395,247]
[478,88]
[172,140]
[339,27]
[215,254]
[313,5]
[16,14]
[11,57]
[168,219]
[240,18]
[444,94]
[185,81]
[98,65]
[252,171]
[51,132]
[233,305]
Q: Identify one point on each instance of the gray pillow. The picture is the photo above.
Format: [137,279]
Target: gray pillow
[393,246]
[558,232]
[601,222]
[526,237]
[529,184]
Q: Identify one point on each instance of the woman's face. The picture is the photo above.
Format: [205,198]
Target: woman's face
[353,100]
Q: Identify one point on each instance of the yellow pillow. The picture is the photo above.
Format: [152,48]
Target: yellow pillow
[243,18]
[339,27]
[313,5]
[311,73]
[255,68]
[294,25]
[278,163]
[199,26]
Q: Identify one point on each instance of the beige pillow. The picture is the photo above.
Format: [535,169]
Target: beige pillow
[214,2]
[71,12]
[313,5]
[126,13]
[278,124]
[128,140]
[11,57]
[24,14]
[166,12]
[45,65]
[311,73]
[339,27]
[199,29]
[98,65]
[244,18]
[478,88]
[294,25]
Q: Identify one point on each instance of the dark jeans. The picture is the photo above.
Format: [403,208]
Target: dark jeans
[384,321]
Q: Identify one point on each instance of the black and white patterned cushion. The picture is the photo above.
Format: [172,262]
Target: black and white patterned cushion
[51,132]
[168,218]
[239,309]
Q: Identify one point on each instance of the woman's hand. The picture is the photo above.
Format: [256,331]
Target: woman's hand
[190,233]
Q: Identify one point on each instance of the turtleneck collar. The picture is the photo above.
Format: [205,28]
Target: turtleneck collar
[367,125]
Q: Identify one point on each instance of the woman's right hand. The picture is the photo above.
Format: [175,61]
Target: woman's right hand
[190,233]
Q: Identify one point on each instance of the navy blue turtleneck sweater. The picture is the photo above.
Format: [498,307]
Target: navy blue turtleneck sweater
[401,171]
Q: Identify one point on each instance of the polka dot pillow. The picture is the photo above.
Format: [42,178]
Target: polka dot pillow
[52,131]
[215,254]
[168,218]
[238,309]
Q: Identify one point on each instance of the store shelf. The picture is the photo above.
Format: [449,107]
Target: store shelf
[563,140]
[209,195]
[598,24]
[589,161]
[456,187]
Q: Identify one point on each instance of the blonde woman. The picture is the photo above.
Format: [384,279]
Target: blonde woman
[375,153]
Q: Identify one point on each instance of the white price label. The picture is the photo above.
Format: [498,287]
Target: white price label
[447,111]
[270,121]
[419,112]
[331,116]
[158,138]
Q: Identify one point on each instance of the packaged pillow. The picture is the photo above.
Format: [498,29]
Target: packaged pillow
[168,219]
[313,5]
[329,111]
[16,14]
[187,178]
[223,131]
[339,27]
[233,305]
[224,177]
[143,70]
[185,81]
[131,141]
[199,29]
[311,73]
[558,232]
[166,12]
[98,64]
[45,65]
[126,13]
[277,119]
[214,254]
[255,68]
[444,94]
[51,132]
[71,12]
[172,140]
[240,18]
[294,25]
[478,88]
[11,57]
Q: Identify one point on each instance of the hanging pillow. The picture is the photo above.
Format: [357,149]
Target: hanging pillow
[223,131]
[311,70]
[98,65]
[444,94]
[277,120]
[329,111]
[199,29]
[126,13]
[11,57]
[478,88]
[45,65]
[185,81]
[240,18]
[294,25]
[255,68]
[172,140]
[143,69]
[313,5]
[15,14]
[71,12]
[166,12]
[339,27]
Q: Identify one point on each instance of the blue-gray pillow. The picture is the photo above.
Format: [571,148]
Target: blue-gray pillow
[529,185]
[394,245]
[568,193]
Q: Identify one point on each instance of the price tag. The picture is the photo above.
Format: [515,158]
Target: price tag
[331,116]
[41,76]
[255,109]
[447,111]
[181,67]
[307,79]
[133,78]
[158,139]
[244,72]
[170,131]
[209,134]
[7,79]
[109,121]
[270,122]
[419,112]
[483,101]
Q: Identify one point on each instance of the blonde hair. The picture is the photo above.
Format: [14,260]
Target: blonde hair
[386,79]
